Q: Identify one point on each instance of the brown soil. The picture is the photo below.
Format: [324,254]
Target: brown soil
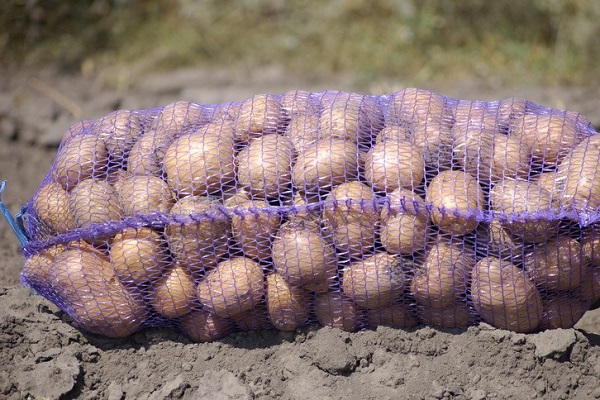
[42,355]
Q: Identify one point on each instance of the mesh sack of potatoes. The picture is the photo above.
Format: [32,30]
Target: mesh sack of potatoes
[346,210]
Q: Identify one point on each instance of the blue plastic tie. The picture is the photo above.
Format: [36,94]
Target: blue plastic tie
[15,224]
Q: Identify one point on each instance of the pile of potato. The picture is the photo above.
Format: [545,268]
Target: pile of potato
[346,209]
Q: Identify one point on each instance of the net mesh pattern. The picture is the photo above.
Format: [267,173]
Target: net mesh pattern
[344,209]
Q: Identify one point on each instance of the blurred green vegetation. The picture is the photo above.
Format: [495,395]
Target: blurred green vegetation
[553,41]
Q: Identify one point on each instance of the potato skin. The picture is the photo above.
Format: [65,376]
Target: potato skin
[303,256]
[199,163]
[90,292]
[399,315]
[287,304]
[235,286]
[521,202]
[504,296]
[451,193]
[38,266]
[259,115]
[394,164]
[417,106]
[404,223]
[94,201]
[303,130]
[325,164]
[120,130]
[201,326]
[351,217]
[264,166]
[51,205]
[180,117]
[174,295]
[375,282]
[140,194]
[562,311]
[147,154]
[557,264]
[336,310]
[80,158]
[454,316]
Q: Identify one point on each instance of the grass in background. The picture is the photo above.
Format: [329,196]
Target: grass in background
[411,41]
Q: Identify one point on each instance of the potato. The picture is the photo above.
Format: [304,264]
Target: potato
[259,115]
[138,255]
[120,130]
[298,102]
[551,182]
[344,120]
[82,157]
[376,282]
[368,106]
[139,194]
[199,163]
[474,115]
[455,316]
[528,211]
[557,264]
[456,200]
[199,234]
[417,106]
[393,133]
[38,266]
[89,291]
[561,311]
[264,167]
[398,315]
[550,136]
[76,129]
[254,224]
[590,245]
[442,280]
[303,257]
[94,201]
[51,206]
[324,164]
[147,154]
[337,311]
[435,142]
[589,291]
[496,240]
[404,223]
[305,207]
[394,164]
[174,295]
[256,319]
[287,304]
[202,326]
[351,216]
[235,286]
[491,156]
[303,130]
[504,296]
[579,175]
[510,109]
[180,117]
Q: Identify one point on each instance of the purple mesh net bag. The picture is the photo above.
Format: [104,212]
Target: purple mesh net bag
[348,210]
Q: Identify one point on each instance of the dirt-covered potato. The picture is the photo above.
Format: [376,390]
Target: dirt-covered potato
[529,212]
[456,200]
[94,201]
[303,256]
[504,296]
[264,167]
[579,175]
[324,164]
[180,117]
[80,158]
[90,292]
[351,217]
[399,315]
[199,234]
[144,194]
[550,136]
[393,164]
[199,163]
[404,223]
[376,282]
[336,310]
[201,326]
[557,264]
[235,286]
[259,115]
[254,224]
[454,316]
[288,305]
[561,311]
[303,130]
[138,255]
[147,154]
[51,206]
[120,129]
[174,295]
[298,102]
[442,279]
